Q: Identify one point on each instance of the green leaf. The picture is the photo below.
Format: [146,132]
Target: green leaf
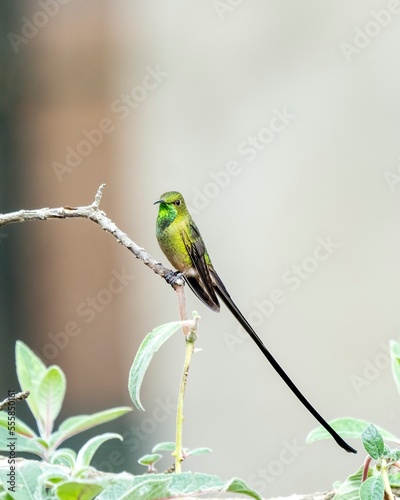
[41,442]
[372,489]
[150,459]
[140,487]
[30,370]
[33,478]
[394,480]
[27,480]
[87,451]
[150,345]
[84,490]
[373,442]
[236,485]
[23,443]
[20,427]
[50,397]
[348,428]
[74,425]
[165,446]
[394,456]
[187,484]
[199,451]
[64,456]
[51,474]
[350,489]
[395,355]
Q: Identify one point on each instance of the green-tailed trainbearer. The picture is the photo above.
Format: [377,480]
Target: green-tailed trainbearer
[182,244]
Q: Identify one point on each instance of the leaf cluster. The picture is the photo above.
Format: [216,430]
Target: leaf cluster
[63,474]
[380,473]
[61,466]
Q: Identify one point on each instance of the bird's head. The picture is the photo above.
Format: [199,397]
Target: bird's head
[171,206]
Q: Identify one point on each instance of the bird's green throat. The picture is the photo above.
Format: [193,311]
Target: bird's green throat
[172,208]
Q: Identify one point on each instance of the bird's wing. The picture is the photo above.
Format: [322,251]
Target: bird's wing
[200,280]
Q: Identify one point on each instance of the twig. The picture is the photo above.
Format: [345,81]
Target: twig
[180,292]
[93,213]
[20,396]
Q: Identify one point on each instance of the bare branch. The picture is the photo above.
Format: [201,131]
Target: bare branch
[93,213]
[20,396]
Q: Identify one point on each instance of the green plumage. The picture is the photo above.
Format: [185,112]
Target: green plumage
[182,244]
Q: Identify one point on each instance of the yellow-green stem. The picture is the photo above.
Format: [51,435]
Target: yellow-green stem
[385,477]
[189,346]
[190,338]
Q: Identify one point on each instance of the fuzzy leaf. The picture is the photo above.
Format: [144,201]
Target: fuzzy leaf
[199,451]
[150,345]
[26,444]
[373,442]
[80,423]
[87,451]
[30,371]
[84,490]
[348,428]
[64,456]
[27,480]
[236,485]
[164,446]
[394,480]
[372,489]
[150,459]
[20,427]
[50,397]
[350,489]
[187,484]
[394,455]
[53,475]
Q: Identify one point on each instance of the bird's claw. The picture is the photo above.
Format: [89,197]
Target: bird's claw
[172,277]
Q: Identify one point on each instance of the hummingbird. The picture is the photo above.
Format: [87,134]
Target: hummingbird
[181,242]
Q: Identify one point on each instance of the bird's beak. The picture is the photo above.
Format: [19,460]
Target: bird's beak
[158,201]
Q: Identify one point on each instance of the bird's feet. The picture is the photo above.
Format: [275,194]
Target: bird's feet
[173,276]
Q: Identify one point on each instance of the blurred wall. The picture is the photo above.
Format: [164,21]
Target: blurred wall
[8,98]
[278,121]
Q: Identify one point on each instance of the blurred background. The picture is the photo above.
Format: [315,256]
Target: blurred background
[279,122]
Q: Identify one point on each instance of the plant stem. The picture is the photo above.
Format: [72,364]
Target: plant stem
[385,477]
[190,339]
[367,463]
[189,346]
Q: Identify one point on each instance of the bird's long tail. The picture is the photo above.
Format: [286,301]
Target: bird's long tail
[226,298]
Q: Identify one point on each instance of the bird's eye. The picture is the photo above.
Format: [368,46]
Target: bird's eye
[177,202]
